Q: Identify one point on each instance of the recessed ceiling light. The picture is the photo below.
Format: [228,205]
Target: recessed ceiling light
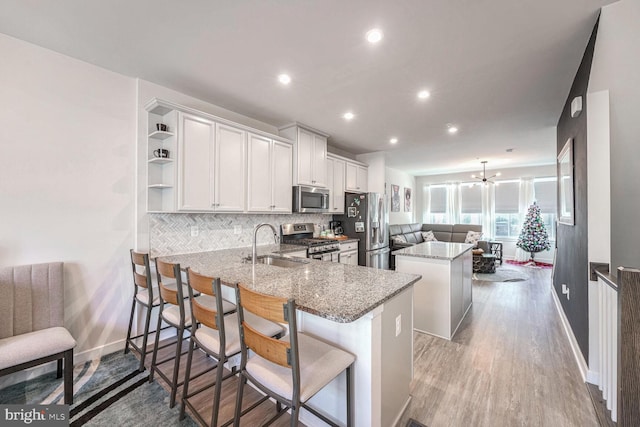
[348,115]
[285,79]
[424,94]
[393,140]
[374,35]
[452,129]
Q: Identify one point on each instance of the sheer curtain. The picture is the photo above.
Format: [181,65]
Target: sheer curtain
[453,203]
[526,198]
[426,204]
[488,211]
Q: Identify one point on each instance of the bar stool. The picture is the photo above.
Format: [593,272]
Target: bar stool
[292,369]
[143,294]
[215,334]
[177,314]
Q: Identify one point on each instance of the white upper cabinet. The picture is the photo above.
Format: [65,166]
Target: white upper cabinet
[336,183]
[270,175]
[212,166]
[229,170]
[195,144]
[197,162]
[356,179]
[309,155]
[282,176]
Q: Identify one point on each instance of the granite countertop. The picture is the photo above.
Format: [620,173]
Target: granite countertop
[338,292]
[436,250]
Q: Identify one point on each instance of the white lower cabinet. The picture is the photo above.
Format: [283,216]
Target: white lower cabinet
[212,166]
[349,253]
[270,173]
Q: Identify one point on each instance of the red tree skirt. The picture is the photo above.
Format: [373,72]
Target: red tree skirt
[530,263]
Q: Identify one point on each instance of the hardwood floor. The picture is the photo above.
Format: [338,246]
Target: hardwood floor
[510,364]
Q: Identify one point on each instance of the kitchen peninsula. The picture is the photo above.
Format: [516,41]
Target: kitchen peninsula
[365,311]
[443,295]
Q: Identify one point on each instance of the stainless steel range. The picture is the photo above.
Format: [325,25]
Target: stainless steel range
[302,234]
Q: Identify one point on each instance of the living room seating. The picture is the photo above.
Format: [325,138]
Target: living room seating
[31,321]
[415,233]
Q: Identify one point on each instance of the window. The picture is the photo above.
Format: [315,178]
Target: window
[437,213]
[506,204]
[546,190]
[470,203]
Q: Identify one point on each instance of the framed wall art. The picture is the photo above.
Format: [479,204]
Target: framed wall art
[565,184]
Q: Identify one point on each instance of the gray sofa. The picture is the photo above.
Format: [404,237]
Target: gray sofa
[413,234]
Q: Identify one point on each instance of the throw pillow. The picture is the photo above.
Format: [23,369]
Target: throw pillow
[473,237]
[399,239]
[428,236]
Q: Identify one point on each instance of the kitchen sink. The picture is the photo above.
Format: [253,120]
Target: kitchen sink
[281,261]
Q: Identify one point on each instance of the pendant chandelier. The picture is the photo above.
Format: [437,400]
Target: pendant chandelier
[484,178]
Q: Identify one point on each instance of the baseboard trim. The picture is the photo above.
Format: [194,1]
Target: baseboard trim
[402,411]
[575,348]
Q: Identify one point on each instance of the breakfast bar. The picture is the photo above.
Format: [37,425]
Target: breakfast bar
[443,295]
[365,311]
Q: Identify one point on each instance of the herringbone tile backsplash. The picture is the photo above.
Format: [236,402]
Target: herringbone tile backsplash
[171,233]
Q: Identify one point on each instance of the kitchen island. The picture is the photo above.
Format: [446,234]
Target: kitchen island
[365,311]
[443,295]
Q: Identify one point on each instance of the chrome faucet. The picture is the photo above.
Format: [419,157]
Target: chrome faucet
[254,254]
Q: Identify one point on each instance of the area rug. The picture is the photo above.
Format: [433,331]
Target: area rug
[502,274]
[107,392]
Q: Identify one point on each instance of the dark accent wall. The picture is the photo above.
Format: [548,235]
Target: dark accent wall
[572,263]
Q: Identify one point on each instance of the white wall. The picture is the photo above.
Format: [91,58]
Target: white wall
[67,181]
[616,68]
[403,180]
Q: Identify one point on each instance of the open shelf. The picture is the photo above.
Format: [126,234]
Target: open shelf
[160,160]
[161,135]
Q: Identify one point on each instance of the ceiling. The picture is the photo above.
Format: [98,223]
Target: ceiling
[500,70]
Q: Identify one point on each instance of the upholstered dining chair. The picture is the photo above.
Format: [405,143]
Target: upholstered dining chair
[32,321]
[292,369]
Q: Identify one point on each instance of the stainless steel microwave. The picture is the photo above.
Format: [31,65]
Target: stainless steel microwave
[310,199]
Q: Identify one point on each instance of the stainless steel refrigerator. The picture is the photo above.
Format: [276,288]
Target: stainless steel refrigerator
[367,218]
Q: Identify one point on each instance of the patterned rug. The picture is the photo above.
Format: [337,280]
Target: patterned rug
[107,392]
[502,274]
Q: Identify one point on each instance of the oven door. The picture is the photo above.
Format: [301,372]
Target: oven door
[310,199]
[326,256]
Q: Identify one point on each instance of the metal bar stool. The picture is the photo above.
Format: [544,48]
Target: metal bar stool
[216,334]
[143,294]
[292,369]
[174,313]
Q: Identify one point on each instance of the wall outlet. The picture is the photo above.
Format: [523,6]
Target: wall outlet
[398,324]
[237,229]
[194,231]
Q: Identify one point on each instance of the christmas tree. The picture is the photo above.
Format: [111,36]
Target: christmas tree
[533,237]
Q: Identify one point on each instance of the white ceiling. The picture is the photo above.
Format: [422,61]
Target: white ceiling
[499,69]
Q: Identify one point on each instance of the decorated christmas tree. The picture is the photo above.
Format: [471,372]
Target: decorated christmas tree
[533,237]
